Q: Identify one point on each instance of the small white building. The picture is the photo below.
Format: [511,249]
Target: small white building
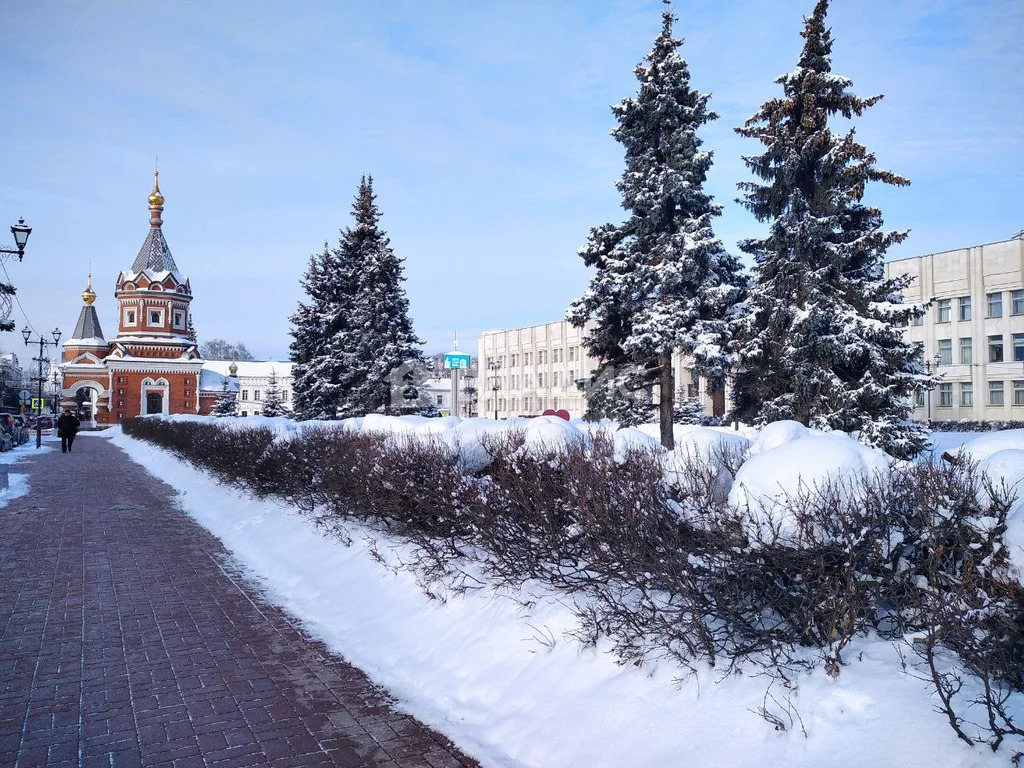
[253,380]
[439,392]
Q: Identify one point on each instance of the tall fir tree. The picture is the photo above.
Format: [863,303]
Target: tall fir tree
[353,342]
[664,282]
[822,339]
[327,284]
[273,401]
[380,352]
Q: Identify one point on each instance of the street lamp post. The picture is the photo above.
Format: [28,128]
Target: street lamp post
[495,366]
[928,370]
[26,334]
[21,232]
[55,379]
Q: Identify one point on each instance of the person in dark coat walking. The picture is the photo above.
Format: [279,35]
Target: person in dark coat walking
[67,428]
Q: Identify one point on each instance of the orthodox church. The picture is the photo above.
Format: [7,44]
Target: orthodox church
[153,364]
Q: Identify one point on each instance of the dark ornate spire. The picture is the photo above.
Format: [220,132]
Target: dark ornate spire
[155,256]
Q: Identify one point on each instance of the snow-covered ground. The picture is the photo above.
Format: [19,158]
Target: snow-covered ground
[498,673]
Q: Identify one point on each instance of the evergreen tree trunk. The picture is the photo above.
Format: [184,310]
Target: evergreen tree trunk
[668,441]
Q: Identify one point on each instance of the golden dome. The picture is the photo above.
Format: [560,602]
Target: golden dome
[88,295]
[155,198]
[233,368]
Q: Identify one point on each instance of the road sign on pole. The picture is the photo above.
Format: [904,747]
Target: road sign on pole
[456,360]
[24,397]
[39,404]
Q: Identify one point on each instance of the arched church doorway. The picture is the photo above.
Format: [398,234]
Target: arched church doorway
[154,402]
[85,400]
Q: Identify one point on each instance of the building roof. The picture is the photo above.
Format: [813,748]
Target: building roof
[87,330]
[154,255]
[211,381]
[254,368]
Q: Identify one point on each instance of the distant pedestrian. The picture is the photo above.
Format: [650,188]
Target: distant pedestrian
[67,428]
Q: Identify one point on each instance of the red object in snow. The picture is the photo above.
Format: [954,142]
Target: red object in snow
[561,413]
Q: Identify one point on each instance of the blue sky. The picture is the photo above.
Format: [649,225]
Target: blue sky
[484,124]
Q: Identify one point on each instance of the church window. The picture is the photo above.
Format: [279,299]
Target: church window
[156,317]
[129,317]
[179,321]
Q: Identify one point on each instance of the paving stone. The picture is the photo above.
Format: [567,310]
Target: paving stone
[128,636]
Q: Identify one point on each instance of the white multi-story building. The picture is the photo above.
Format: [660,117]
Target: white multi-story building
[973,331]
[526,371]
[253,379]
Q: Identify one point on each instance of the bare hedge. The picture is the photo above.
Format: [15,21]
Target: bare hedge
[671,570]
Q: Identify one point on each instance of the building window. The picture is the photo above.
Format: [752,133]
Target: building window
[995,349]
[156,317]
[284,396]
[245,413]
[555,382]
[964,308]
[440,400]
[1018,393]
[917,320]
[995,393]
[1017,302]
[966,394]
[1018,347]
[918,398]
[129,317]
[540,379]
[245,394]
[945,395]
[945,351]
[179,320]
[995,304]
[944,309]
[966,350]
[256,395]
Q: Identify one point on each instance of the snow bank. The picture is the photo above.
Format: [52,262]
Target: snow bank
[775,434]
[704,445]
[546,435]
[766,483]
[1006,468]
[985,445]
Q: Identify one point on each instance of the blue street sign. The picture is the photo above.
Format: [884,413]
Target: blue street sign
[456,360]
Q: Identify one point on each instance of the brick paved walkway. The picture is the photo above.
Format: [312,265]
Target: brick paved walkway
[127,637]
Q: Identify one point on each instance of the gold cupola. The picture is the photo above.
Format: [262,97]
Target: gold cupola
[89,295]
[156,202]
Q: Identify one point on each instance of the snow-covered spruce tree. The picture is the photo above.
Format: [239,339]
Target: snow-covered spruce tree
[273,403]
[821,335]
[664,282]
[328,283]
[227,405]
[375,353]
[688,410]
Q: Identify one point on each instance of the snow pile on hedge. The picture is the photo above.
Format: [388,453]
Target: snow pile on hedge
[803,464]
[779,461]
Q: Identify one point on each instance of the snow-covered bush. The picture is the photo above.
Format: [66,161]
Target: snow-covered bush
[915,552]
